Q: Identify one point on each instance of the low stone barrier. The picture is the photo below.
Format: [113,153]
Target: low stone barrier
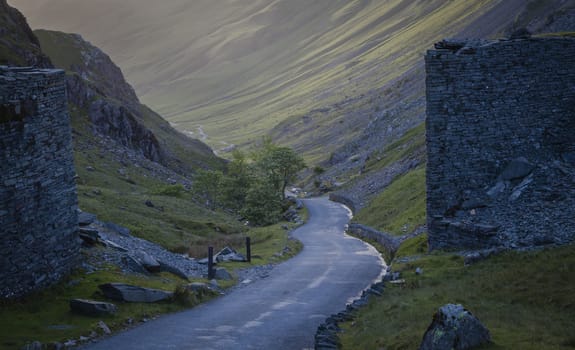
[389,243]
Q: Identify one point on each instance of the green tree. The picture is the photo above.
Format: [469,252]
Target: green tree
[235,184]
[262,205]
[279,166]
[207,186]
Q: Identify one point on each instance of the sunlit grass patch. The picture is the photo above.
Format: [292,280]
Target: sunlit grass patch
[400,208]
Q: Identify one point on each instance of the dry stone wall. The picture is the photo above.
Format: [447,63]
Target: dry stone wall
[501,143]
[38,200]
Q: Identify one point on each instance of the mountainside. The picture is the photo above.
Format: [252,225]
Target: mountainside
[314,75]
[314,72]
[125,154]
[96,85]
[18,45]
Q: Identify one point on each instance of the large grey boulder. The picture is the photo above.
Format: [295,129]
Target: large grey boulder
[148,262]
[133,264]
[92,308]
[171,268]
[517,169]
[85,219]
[223,274]
[228,254]
[133,294]
[454,327]
[89,236]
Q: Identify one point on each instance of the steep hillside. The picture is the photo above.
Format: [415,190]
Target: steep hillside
[316,71]
[18,45]
[133,167]
[97,85]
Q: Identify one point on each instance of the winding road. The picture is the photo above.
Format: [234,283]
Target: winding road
[281,311]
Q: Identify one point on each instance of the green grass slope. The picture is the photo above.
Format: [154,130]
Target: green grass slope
[524,298]
[237,69]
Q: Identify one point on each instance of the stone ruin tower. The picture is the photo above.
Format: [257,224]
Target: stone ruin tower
[501,143]
[38,199]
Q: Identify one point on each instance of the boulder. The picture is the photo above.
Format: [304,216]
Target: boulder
[133,294]
[517,169]
[85,219]
[92,308]
[89,236]
[453,327]
[133,264]
[222,274]
[228,254]
[148,261]
[166,266]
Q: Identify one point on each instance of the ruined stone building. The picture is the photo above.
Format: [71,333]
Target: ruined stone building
[501,143]
[38,200]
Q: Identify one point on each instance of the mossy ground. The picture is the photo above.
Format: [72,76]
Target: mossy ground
[46,317]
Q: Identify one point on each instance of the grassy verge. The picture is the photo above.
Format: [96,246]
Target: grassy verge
[524,298]
[270,244]
[46,316]
[400,208]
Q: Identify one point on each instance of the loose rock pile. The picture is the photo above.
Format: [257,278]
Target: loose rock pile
[112,244]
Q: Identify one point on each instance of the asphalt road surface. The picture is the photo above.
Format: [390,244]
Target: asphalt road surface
[278,312]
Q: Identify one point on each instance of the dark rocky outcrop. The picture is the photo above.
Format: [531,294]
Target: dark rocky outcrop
[454,327]
[90,63]
[18,44]
[92,308]
[96,86]
[222,274]
[133,294]
[119,123]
